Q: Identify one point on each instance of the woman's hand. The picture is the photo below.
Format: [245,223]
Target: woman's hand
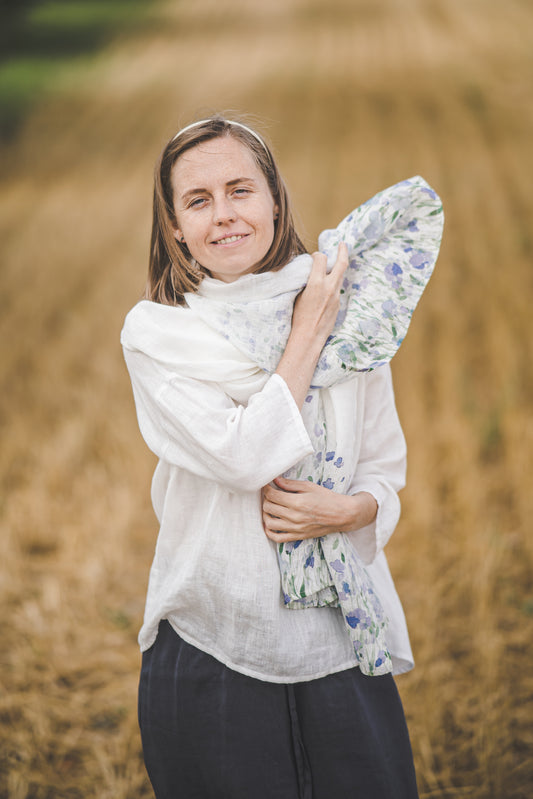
[317,306]
[313,319]
[299,509]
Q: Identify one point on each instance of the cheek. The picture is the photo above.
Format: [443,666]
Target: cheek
[272,230]
[268,220]
[187,232]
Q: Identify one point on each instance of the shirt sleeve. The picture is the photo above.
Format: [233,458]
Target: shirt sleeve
[195,425]
[382,464]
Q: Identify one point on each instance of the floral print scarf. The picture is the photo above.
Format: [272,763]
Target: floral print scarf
[393,241]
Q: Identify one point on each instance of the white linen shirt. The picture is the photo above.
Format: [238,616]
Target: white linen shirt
[215,574]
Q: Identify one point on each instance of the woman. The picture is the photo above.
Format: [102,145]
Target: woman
[267,644]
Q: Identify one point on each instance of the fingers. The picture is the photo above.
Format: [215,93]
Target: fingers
[282,523]
[340,266]
[289,492]
[284,538]
[282,500]
[292,486]
[282,530]
[299,509]
[281,512]
[272,525]
[341,262]
[316,307]
[320,264]
[286,516]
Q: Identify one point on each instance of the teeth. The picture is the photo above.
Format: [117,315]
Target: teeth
[229,239]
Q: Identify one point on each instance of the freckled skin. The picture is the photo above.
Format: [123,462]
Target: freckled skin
[221,194]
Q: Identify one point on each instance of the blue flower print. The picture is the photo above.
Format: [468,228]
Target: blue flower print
[429,191]
[382,656]
[393,273]
[330,456]
[338,566]
[344,592]
[361,284]
[328,483]
[374,230]
[358,618]
[389,309]
[338,463]
[345,352]
[323,364]
[370,328]
[419,259]
[341,316]
[310,562]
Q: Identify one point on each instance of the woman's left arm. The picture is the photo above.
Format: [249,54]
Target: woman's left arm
[370,510]
[299,509]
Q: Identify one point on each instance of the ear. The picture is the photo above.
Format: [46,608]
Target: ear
[178,235]
[276,211]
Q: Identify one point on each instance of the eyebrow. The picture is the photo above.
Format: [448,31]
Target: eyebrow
[234,182]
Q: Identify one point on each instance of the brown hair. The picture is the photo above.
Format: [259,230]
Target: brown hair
[172,271]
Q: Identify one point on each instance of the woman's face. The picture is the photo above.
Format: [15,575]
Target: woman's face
[224,209]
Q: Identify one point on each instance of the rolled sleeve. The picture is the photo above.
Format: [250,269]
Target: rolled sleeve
[381,466]
[196,426]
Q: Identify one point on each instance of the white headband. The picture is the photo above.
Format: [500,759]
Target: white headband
[228,122]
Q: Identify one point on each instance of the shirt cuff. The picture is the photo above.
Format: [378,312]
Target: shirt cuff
[299,428]
[370,540]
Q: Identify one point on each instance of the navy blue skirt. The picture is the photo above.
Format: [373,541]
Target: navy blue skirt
[209,732]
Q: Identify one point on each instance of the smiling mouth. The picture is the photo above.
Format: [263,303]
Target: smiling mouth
[230,239]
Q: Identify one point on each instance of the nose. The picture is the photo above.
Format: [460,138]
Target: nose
[223,210]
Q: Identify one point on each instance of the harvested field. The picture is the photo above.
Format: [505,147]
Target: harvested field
[355,95]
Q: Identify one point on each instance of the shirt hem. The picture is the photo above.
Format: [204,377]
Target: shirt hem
[400,665]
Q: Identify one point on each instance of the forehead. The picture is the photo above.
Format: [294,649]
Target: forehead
[217,160]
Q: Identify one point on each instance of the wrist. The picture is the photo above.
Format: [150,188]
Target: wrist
[298,363]
[304,344]
[359,511]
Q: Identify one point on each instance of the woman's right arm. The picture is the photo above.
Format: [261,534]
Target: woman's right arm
[196,426]
[315,312]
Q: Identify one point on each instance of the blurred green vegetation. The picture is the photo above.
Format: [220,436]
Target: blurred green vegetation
[42,39]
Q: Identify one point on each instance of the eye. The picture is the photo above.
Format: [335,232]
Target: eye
[241,191]
[197,202]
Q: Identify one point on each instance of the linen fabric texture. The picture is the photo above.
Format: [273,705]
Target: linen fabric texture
[226,342]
